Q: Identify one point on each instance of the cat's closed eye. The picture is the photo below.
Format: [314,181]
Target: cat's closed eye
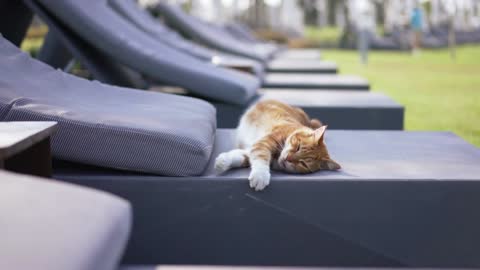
[304,163]
[298,148]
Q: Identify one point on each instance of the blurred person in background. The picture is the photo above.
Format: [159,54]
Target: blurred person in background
[363,15]
[416,25]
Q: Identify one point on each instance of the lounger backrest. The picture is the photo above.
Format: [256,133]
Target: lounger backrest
[208,35]
[241,31]
[145,21]
[106,30]
[104,125]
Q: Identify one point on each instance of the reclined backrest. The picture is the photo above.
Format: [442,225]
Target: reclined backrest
[106,125]
[145,21]
[241,31]
[210,36]
[96,23]
[56,226]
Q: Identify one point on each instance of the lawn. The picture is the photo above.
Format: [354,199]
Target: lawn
[438,93]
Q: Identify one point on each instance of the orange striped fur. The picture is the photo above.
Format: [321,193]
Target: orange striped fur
[274,134]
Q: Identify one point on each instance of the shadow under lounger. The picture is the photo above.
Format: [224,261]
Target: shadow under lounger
[402,199]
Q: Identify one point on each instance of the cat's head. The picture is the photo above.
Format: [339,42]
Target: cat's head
[306,152]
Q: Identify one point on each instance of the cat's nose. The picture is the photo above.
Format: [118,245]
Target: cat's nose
[289,158]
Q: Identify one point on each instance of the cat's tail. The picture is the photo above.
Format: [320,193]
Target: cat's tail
[315,123]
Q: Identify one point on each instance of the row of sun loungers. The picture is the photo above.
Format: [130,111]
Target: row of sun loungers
[144,160]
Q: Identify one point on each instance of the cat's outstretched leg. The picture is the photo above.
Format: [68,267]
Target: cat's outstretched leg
[260,157]
[234,159]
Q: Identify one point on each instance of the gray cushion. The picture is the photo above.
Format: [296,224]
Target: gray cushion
[142,19]
[299,54]
[315,81]
[105,125]
[145,21]
[57,226]
[106,30]
[211,36]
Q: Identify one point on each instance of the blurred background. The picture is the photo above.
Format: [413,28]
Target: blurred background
[424,54]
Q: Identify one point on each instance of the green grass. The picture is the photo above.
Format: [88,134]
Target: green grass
[438,93]
[32,45]
[325,35]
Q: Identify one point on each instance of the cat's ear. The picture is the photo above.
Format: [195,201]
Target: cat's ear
[319,134]
[330,165]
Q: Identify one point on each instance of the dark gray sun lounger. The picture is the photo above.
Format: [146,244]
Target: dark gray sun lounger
[401,199]
[58,226]
[161,63]
[145,21]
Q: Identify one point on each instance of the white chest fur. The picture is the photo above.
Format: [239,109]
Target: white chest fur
[248,134]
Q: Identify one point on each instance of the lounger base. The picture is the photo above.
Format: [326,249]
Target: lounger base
[337,109]
[402,199]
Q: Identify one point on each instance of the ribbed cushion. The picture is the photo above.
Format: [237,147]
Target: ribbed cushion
[212,36]
[105,125]
[57,226]
[142,19]
[103,28]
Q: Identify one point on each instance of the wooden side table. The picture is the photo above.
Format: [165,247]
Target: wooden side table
[25,147]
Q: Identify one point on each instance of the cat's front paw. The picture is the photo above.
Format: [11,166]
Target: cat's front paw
[223,163]
[259,179]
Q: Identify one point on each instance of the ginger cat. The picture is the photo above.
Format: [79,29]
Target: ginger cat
[275,134]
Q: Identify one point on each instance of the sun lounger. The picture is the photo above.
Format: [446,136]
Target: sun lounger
[145,21]
[92,54]
[402,199]
[58,226]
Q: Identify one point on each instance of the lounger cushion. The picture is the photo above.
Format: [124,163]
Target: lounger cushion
[304,65]
[315,81]
[109,32]
[147,23]
[57,226]
[105,125]
[211,36]
[299,54]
